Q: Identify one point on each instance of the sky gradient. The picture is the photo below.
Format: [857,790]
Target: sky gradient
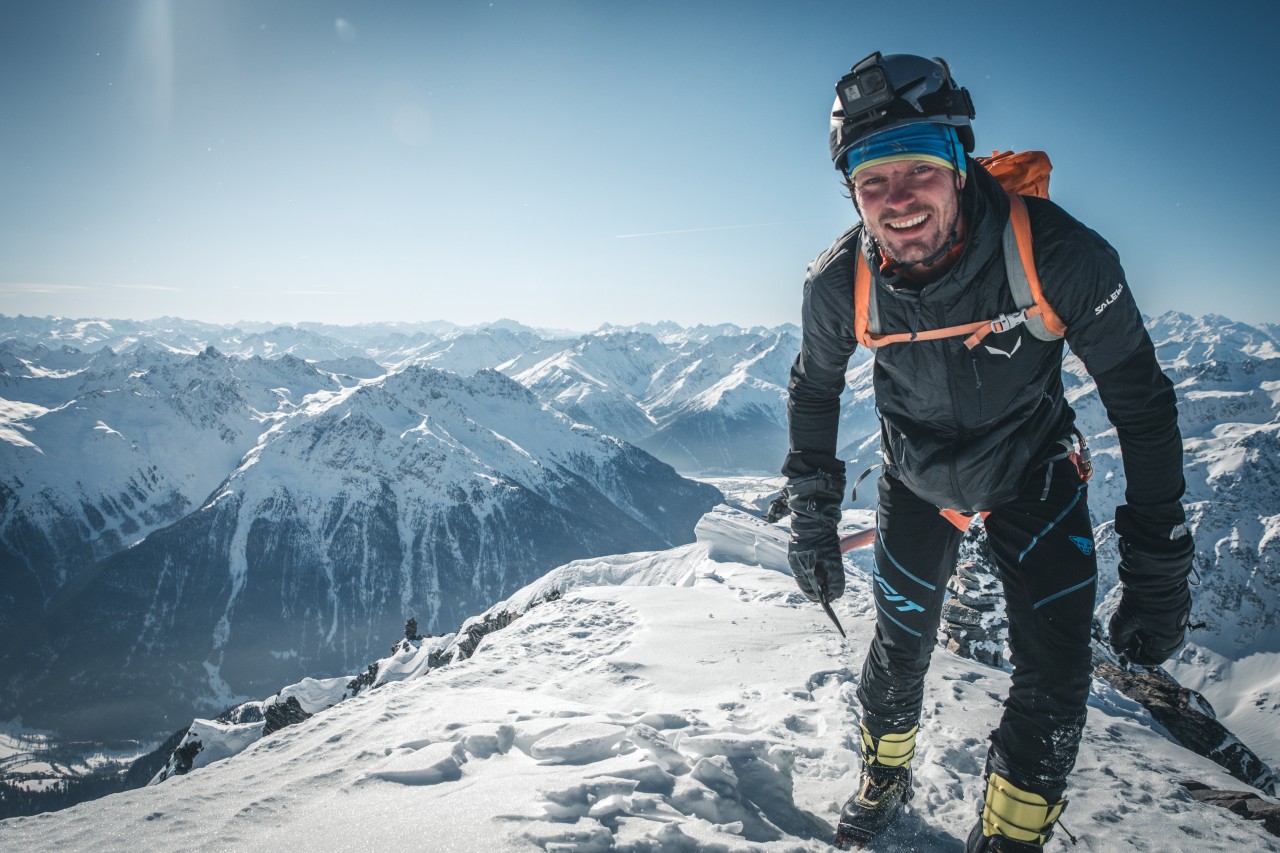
[568,164]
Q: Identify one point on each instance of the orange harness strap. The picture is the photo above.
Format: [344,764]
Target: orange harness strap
[961,520]
[862,301]
[974,332]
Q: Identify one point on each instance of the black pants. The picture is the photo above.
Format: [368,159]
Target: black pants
[1043,547]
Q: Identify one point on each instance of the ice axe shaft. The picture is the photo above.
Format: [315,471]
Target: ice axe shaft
[861,539]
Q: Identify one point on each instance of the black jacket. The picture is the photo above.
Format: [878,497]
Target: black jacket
[964,429]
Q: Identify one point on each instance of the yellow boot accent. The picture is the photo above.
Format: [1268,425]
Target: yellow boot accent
[1014,813]
[893,750]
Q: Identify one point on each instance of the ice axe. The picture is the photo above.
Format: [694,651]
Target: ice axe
[848,542]
[859,539]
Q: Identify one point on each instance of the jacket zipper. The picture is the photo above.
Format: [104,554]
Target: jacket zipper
[952,386]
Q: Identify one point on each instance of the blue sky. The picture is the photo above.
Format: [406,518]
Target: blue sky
[568,164]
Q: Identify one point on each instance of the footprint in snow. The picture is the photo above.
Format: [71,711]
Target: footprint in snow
[647,782]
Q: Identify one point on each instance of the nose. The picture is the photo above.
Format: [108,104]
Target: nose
[898,193]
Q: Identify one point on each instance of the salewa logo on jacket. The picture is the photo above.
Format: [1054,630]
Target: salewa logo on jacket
[1008,354]
[1115,294]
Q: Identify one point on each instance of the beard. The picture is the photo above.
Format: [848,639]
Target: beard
[914,245]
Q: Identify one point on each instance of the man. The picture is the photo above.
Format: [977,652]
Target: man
[976,428]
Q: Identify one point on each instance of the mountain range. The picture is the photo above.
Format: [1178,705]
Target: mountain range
[300,433]
[219,524]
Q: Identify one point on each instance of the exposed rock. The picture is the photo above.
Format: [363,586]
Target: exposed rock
[973,619]
[1247,804]
[184,755]
[364,679]
[1182,712]
[473,633]
[248,712]
[281,714]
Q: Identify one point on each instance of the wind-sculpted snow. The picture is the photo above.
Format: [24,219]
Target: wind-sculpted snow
[709,708]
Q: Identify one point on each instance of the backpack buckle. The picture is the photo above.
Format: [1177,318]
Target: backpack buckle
[1005,322]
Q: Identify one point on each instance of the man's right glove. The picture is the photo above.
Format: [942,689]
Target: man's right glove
[1155,600]
[814,551]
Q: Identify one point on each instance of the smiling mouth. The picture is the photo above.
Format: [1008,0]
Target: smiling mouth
[904,224]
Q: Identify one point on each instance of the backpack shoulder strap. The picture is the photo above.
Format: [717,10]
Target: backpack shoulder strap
[1024,281]
[866,326]
[1024,284]
[862,301]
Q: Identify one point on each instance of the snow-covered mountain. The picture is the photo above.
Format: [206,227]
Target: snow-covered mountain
[419,493]
[702,398]
[713,398]
[101,450]
[1228,379]
[723,405]
[668,701]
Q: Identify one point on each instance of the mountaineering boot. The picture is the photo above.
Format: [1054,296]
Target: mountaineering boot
[885,784]
[1012,820]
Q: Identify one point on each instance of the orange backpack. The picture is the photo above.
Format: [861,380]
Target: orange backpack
[1023,173]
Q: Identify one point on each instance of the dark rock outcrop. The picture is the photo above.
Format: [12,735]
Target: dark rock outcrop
[1188,717]
[281,714]
[973,618]
[184,756]
[1247,804]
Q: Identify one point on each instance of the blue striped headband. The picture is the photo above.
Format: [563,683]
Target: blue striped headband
[925,140]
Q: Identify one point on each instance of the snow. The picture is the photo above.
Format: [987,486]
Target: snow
[316,694]
[665,701]
[427,765]
[13,415]
[221,741]
[1252,713]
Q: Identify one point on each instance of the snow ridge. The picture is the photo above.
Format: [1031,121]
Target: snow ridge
[665,702]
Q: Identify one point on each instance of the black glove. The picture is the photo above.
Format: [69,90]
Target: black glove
[1155,599]
[814,551]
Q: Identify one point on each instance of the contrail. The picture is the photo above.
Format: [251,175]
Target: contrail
[694,230]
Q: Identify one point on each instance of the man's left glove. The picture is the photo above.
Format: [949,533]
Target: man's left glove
[814,550]
[1155,600]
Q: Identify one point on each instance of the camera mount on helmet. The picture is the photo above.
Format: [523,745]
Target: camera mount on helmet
[883,92]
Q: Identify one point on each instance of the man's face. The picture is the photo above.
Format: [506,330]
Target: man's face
[908,206]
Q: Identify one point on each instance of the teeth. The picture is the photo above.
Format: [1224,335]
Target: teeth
[909,223]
